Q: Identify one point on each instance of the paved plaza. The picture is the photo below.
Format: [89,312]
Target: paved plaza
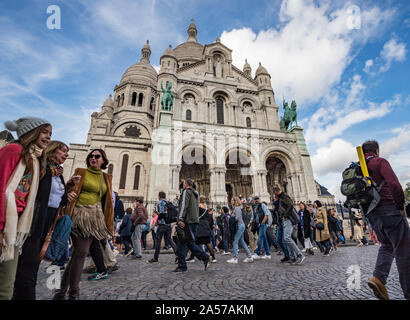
[318,278]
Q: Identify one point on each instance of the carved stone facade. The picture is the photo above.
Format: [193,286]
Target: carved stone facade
[223,130]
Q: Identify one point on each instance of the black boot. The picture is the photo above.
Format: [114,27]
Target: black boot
[73,294]
[59,294]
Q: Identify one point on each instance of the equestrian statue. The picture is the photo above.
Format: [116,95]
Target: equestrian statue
[167,97]
[289,116]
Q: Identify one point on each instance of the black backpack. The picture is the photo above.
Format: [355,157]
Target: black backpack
[171,213]
[360,194]
[233,225]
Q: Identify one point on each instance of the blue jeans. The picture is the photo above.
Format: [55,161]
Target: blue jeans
[294,251]
[226,243]
[280,240]
[263,239]
[239,239]
[191,245]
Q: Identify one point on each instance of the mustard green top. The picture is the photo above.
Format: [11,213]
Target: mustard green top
[90,190]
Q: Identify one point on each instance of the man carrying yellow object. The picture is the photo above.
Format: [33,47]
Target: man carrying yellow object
[390,224]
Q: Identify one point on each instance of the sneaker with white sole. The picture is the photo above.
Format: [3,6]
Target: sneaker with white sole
[225,253]
[266,257]
[248,260]
[256,257]
[213,260]
[233,260]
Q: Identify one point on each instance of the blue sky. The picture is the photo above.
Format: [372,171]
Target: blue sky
[350,80]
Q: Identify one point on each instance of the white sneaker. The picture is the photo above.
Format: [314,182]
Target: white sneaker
[248,260]
[233,260]
[256,257]
[213,260]
[303,250]
[265,257]
[225,253]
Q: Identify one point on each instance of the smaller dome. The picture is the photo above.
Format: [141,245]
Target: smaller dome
[246,66]
[108,102]
[169,53]
[261,70]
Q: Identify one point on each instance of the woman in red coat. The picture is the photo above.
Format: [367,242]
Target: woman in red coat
[21,168]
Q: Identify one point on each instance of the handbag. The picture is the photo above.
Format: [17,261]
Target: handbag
[320,226]
[183,234]
[47,240]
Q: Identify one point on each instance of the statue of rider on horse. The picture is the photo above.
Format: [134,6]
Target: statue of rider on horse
[167,98]
[289,116]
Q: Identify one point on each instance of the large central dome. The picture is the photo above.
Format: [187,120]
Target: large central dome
[190,50]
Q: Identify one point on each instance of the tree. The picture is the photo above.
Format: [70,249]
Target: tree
[407,192]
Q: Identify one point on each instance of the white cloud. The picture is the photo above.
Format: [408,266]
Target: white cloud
[392,51]
[308,54]
[333,158]
[368,64]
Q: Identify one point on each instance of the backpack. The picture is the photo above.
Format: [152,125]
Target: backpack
[233,225]
[220,222]
[275,218]
[294,217]
[359,193]
[171,213]
[204,229]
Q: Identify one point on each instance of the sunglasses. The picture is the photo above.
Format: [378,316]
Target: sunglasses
[96,156]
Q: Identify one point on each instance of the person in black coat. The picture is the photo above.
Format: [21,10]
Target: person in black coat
[125,231]
[334,229]
[205,227]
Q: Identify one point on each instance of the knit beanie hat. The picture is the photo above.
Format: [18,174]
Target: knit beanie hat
[24,125]
[225,209]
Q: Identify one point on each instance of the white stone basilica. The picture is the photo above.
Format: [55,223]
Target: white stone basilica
[222,131]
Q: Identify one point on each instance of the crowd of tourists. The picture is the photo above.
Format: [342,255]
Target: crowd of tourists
[44,217]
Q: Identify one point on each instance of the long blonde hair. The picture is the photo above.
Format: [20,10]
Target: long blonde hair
[26,141]
[52,148]
[236,202]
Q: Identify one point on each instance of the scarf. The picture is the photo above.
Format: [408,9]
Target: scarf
[56,169]
[17,228]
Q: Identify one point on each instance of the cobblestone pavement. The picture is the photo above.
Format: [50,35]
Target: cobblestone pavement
[318,278]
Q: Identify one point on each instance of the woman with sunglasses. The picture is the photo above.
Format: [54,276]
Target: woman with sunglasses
[92,214]
[52,193]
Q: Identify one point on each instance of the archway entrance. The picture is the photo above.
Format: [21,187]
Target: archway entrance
[276,175]
[238,178]
[195,167]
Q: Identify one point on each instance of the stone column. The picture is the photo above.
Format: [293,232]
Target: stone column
[217,180]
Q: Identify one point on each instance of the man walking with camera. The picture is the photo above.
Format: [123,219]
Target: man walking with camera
[187,225]
[389,222]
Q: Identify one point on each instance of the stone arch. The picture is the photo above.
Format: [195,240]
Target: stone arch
[198,171]
[244,98]
[283,153]
[128,120]
[213,93]
[184,90]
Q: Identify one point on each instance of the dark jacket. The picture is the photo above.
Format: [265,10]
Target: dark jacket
[125,228]
[285,205]
[333,224]
[188,206]
[205,224]
[391,192]
[307,219]
[41,219]
[119,209]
